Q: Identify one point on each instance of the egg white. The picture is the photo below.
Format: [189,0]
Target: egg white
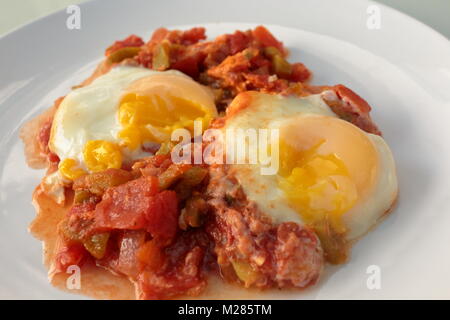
[90,113]
[272,112]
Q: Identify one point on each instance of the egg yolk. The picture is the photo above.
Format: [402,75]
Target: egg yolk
[70,170]
[153,118]
[327,166]
[153,108]
[318,187]
[100,155]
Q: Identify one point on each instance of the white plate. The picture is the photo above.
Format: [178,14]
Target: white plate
[402,69]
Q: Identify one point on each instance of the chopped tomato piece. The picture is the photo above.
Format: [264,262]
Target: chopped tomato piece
[263,81]
[81,208]
[173,270]
[162,216]
[78,223]
[129,245]
[299,73]
[267,39]
[69,255]
[131,41]
[137,205]
[53,157]
[193,36]
[238,41]
[188,64]
[185,278]
[126,206]
[157,161]
[352,98]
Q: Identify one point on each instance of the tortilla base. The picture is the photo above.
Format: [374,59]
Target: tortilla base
[95,282]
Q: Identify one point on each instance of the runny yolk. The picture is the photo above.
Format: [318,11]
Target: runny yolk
[70,170]
[327,167]
[100,155]
[153,117]
[318,186]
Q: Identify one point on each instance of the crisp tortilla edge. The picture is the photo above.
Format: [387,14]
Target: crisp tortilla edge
[94,282]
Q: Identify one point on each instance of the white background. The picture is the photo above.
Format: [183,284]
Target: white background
[14,13]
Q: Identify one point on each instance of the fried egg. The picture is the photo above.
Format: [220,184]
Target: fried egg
[332,176]
[107,123]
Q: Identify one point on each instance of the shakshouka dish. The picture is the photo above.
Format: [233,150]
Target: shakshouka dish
[140,224]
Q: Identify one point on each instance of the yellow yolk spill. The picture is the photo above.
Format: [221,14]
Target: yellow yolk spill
[100,155]
[318,187]
[154,117]
[70,170]
[327,166]
[321,190]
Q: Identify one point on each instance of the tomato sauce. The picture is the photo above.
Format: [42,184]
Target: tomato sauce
[131,227]
[149,222]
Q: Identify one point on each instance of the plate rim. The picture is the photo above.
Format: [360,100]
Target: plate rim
[95,1]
